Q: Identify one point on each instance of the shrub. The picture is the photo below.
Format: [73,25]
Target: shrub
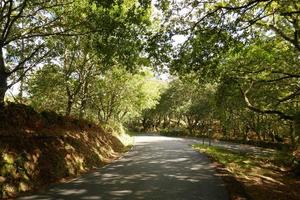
[174,132]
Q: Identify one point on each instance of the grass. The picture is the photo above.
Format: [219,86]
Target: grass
[277,159]
[259,173]
[238,163]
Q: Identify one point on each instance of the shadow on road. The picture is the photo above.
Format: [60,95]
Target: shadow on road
[157,168]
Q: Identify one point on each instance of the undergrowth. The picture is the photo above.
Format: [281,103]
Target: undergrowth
[260,173]
[40,148]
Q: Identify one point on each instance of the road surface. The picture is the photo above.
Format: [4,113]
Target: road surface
[157,168]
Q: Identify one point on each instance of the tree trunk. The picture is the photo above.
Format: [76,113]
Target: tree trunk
[292,135]
[20,95]
[190,125]
[224,131]
[245,133]
[296,131]
[157,124]
[165,122]
[3,79]
[144,124]
[82,109]
[100,118]
[178,121]
[3,87]
[272,135]
[70,101]
[69,107]
[123,115]
[21,73]
[83,106]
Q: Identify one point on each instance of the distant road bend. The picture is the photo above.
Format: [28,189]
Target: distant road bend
[158,168]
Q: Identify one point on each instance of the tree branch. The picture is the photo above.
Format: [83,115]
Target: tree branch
[28,69]
[11,23]
[290,96]
[8,20]
[21,64]
[262,111]
[293,41]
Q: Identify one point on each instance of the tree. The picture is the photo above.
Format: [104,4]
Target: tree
[74,64]
[78,64]
[183,104]
[24,26]
[253,44]
[46,91]
[266,75]
[28,27]
[240,18]
[115,95]
[121,31]
[118,95]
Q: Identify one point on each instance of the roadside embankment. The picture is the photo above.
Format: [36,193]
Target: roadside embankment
[41,148]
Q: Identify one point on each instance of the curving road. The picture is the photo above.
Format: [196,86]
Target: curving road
[157,168]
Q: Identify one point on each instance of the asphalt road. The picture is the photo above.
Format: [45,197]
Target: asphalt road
[157,168]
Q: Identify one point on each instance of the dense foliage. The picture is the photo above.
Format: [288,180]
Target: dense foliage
[249,52]
[235,69]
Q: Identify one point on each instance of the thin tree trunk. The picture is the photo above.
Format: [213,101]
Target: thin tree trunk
[123,115]
[272,135]
[224,130]
[20,95]
[82,108]
[3,87]
[144,124]
[190,125]
[292,135]
[3,79]
[69,107]
[165,122]
[83,101]
[296,131]
[69,102]
[21,74]
[100,119]
[178,121]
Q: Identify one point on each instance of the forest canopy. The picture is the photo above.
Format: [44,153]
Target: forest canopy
[232,66]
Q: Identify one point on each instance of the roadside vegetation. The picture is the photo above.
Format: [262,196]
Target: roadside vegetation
[89,70]
[41,148]
[71,74]
[259,172]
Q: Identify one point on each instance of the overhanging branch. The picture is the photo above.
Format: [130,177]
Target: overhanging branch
[263,111]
